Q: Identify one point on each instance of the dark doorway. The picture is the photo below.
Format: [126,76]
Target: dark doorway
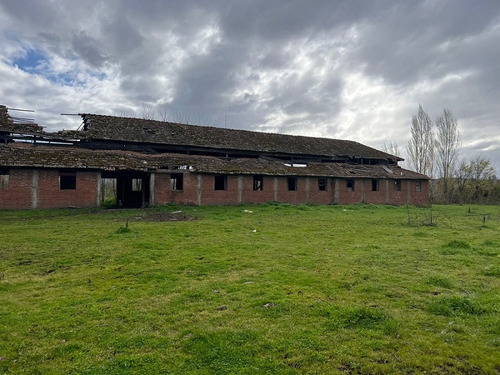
[132,188]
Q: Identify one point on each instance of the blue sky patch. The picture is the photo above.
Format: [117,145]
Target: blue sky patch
[31,61]
[35,61]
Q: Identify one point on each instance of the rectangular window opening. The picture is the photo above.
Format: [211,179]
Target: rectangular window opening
[258,183]
[137,184]
[322,184]
[375,185]
[108,190]
[4,178]
[418,186]
[292,183]
[220,182]
[177,181]
[350,184]
[397,185]
[67,180]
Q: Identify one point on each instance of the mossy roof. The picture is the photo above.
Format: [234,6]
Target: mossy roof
[45,156]
[112,128]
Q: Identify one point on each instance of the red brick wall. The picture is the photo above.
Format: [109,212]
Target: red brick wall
[164,193]
[18,194]
[316,196]
[375,197]
[50,196]
[30,188]
[400,197]
[239,190]
[350,197]
[286,196]
[210,196]
[419,198]
[248,195]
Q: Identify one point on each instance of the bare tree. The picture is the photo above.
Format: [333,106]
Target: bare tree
[447,147]
[392,148]
[148,111]
[421,144]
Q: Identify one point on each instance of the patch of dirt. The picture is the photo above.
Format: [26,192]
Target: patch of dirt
[164,216]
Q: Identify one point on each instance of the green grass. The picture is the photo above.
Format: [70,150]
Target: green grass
[281,289]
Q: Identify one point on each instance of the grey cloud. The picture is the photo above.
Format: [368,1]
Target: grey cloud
[405,46]
[88,49]
[249,70]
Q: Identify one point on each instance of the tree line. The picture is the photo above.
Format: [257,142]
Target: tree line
[434,149]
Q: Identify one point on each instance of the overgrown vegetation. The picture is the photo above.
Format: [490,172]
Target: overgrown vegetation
[433,150]
[276,289]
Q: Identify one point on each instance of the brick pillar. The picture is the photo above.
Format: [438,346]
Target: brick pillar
[336,196]
[34,189]
[198,189]
[308,186]
[152,189]
[363,197]
[275,189]
[387,197]
[240,189]
[99,191]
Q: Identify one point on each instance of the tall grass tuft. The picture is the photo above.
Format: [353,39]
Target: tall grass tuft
[454,306]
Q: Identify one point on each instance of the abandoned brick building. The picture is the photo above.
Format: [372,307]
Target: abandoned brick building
[155,163]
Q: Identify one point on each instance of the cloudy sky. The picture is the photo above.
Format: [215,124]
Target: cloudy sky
[349,69]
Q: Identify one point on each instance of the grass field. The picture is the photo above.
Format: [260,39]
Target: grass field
[267,289]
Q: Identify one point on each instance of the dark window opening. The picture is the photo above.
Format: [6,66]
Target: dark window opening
[322,184]
[350,184]
[418,186]
[397,185]
[67,180]
[292,183]
[375,185]
[220,182]
[177,181]
[137,184]
[258,182]
[4,178]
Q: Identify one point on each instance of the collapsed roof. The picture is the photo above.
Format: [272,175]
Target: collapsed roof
[46,156]
[120,143]
[100,131]
[98,127]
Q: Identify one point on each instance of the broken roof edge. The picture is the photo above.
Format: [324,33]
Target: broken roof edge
[223,139]
[223,133]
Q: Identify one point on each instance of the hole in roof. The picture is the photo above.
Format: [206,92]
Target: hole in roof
[296,165]
[187,167]
[386,168]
